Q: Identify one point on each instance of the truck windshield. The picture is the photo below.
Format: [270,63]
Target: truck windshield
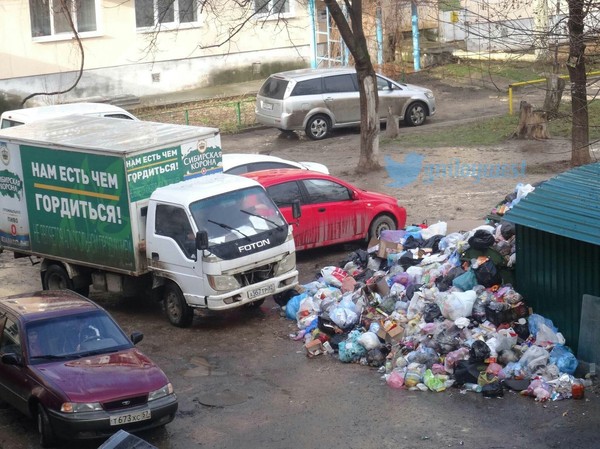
[240,214]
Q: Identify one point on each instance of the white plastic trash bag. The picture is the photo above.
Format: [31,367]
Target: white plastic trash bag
[369,340]
[458,304]
[438,228]
[343,317]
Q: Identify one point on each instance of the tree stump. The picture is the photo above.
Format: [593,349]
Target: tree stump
[392,127]
[533,124]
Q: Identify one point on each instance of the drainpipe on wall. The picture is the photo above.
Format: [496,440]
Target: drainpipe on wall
[378,24]
[415,33]
[313,34]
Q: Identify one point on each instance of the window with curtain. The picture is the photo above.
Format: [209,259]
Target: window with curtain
[150,13]
[50,17]
[272,7]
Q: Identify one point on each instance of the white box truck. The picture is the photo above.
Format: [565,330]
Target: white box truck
[129,206]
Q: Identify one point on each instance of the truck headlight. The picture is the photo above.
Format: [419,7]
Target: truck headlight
[223,283]
[286,264]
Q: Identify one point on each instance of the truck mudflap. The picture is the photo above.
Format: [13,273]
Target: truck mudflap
[245,295]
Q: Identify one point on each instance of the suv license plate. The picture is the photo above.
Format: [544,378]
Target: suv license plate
[129,418]
[262,291]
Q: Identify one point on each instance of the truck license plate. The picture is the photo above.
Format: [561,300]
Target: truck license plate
[262,291]
[129,418]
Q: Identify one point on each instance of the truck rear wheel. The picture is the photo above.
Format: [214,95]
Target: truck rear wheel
[178,312]
[57,278]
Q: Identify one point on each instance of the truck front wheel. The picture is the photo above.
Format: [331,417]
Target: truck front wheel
[178,312]
[57,278]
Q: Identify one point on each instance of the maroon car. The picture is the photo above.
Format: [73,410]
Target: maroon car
[332,210]
[66,362]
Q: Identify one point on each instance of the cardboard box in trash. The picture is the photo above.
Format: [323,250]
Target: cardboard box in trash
[392,334]
[381,248]
[378,285]
[314,347]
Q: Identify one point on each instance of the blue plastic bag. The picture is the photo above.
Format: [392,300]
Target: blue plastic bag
[564,359]
[536,320]
[351,350]
[293,305]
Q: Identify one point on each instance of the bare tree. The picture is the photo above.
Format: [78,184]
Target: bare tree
[351,30]
[67,12]
[580,152]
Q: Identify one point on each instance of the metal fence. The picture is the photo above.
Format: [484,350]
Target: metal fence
[228,115]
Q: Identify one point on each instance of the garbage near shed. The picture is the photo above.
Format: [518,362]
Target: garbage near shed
[433,310]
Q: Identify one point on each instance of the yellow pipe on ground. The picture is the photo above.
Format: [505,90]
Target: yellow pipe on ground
[525,83]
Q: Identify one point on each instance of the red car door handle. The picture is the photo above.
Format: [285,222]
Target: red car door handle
[321,209]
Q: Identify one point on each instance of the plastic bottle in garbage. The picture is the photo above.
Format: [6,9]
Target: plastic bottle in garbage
[472,387]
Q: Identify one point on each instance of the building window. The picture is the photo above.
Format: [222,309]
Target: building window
[271,7]
[151,13]
[51,17]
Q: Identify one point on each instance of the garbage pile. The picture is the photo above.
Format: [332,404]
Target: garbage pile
[433,310]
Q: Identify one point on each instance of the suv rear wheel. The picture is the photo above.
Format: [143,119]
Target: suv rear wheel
[318,127]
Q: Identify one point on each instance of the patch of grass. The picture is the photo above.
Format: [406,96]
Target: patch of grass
[482,132]
[496,130]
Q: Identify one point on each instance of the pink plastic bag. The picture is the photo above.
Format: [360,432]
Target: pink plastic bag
[396,379]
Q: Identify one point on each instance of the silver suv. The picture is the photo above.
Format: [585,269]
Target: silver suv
[317,100]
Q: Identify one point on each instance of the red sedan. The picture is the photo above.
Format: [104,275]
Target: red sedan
[333,211]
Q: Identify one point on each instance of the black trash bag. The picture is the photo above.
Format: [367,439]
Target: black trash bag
[412,242]
[431,312]
[448,340]
[445,282]
[336,339]
[359,257]
[507,229]
[479,351]
[327,326]
[466,372]
[411,289]
[493,390]
[283,298]
[487,274]
[481,240]
[433,243]
[376,357]
[407,260]
[522,330]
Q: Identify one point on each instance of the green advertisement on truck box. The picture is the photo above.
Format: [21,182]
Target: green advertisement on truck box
[150,170]
[78,206]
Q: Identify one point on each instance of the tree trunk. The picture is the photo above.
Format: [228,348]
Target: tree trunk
[555,87]
[532,124]
[353,35]
[580,146]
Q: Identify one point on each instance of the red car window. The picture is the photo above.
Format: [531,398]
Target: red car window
[324,191]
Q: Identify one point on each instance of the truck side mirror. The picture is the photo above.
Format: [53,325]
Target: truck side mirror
[201,240]
[296,211]
[11,359]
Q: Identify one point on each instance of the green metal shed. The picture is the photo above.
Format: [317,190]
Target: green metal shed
[558,247]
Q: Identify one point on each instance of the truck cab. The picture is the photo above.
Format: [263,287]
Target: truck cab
[248,251]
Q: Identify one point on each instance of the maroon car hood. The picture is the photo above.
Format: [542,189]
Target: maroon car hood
[104,377]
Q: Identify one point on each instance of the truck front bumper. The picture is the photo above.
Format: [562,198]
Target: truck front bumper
[245,295]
